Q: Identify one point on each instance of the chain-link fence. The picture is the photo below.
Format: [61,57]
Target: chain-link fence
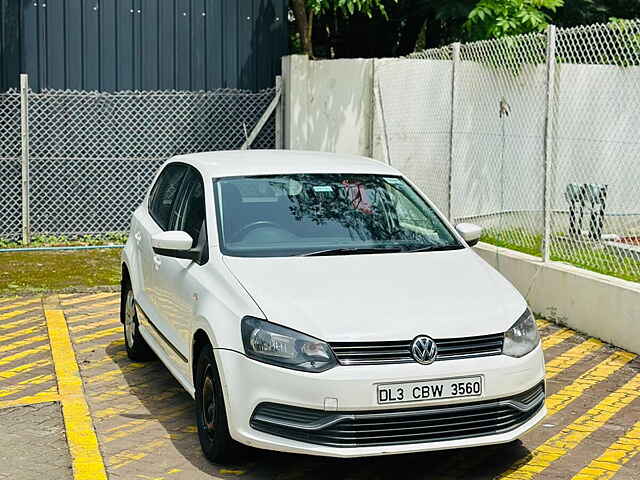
[92,155]
[534,137]
[10,167]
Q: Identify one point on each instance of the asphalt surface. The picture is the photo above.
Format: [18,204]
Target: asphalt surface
[58,397]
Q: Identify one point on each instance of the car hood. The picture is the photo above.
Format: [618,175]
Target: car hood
[394,296]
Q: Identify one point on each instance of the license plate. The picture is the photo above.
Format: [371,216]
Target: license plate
[429,390]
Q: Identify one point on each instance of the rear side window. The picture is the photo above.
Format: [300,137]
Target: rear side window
[164,193]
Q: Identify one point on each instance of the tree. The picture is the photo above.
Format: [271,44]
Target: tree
[499,18]
[304,12]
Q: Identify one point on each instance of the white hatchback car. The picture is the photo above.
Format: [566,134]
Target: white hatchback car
[320,304]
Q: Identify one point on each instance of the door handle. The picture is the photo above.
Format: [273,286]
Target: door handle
[157,261]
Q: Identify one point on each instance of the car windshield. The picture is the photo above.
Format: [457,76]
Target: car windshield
[325,214]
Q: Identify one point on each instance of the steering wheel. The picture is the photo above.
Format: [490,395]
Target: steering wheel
[252,226]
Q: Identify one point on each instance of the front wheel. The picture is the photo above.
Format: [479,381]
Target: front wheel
[137,347]
[211,416]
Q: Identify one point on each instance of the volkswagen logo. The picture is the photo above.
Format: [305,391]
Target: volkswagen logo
[424,349]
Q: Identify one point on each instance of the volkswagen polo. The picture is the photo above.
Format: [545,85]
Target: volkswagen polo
[320,304]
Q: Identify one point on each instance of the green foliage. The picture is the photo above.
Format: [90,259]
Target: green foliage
[500,18]
[346,7]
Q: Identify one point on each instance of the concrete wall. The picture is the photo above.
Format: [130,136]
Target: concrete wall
[328,104]
[598,305]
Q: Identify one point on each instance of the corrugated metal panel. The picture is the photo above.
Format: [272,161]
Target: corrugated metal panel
[9,44]
[111,45]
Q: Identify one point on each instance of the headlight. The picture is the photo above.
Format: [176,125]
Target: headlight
[271,343]
[522,337]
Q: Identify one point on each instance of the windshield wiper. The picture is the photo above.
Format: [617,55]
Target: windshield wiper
[435,248]
[352,251]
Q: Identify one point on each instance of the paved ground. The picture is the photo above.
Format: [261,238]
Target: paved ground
[144,423]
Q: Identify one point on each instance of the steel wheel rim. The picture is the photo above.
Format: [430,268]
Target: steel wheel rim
[208,403]
[130,319]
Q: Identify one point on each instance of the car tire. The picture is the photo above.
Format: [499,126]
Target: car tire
[211,416]
[137,348]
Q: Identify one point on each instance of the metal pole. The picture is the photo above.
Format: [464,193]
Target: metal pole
[384,125]
[372,123]
[279,112]
[548,154]
[24,133]
[455,59]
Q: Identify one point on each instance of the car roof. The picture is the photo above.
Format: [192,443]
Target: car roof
[267,162]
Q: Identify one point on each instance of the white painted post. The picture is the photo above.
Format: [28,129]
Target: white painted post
[24,133]
[548,154]
[279,114]
[455,60]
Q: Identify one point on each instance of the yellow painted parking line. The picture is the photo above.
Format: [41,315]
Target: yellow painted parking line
[23,385]
[557,337]
[126,390]
[16,313]
[26,367]
[571,357]
[121,459]
[108,375]
[571,436]
[597,374]
[135,426]
[542,323]
[46,396]
[111,343]
[93,309]
[83,444]
[86,298]
[23,354]
[105,360]
[19,333]
[22,303]
[99,334]
[125,457]
[92,326]
[22,343]
[611,461]
[21,322]
[113,314]
[113,411]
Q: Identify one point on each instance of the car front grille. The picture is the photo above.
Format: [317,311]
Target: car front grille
[402,426]
[375,353]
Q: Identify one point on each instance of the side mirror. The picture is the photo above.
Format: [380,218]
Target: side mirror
[470,232]
[175,244]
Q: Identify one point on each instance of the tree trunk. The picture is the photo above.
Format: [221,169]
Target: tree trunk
[304,23]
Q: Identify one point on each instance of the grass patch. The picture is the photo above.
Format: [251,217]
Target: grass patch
[48,271]
[512,239]
[599,260]
[68,241]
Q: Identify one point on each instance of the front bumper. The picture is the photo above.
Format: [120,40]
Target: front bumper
[352,390]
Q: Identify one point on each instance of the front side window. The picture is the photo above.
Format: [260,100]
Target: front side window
[325,214]
[191,214]
[164,192]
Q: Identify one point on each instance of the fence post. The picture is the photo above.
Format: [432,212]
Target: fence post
[279,113]
[548,154]
[24,134]
[455,59]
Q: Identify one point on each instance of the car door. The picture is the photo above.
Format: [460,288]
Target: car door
[175,280]
[153,218]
